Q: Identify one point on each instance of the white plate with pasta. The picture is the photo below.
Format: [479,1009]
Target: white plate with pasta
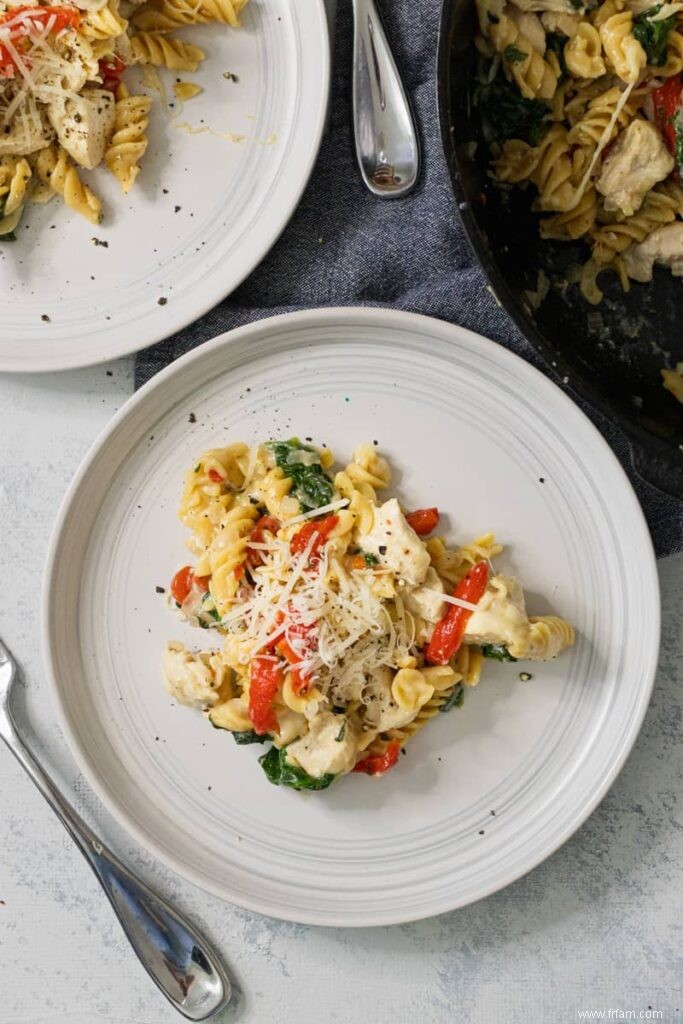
[339,474]
[152,152]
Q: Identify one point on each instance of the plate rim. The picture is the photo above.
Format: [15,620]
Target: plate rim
[338,316]
[50,362]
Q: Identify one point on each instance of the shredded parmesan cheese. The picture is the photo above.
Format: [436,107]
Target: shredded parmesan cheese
[603,141]
[332,507]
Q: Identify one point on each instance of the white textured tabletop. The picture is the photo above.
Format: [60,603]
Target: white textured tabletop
[593,933]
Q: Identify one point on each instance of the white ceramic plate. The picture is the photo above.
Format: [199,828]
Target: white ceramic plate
[204,211]
[484,793]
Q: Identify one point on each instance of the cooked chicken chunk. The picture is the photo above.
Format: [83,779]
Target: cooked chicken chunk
[663,247]
[501,619]
[190,677]
[426,601]
[638,161]
[326,747]
[558,21]
[24,135]
[530,26]
[84,125]
[501,616]
[396,545]
[381,710]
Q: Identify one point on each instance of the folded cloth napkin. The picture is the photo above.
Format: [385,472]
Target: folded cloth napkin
[345,247]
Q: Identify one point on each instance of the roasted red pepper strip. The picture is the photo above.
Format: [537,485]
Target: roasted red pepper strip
[448,633]
[306,634]
[667,100]
[265,676]
[111,68]
[214,475]
[378,764]
[319,530]
[183,582]
[300,682]
[423,520]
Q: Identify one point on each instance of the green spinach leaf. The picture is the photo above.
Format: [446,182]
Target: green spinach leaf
[513,55]
[281,773]
[301,463]
[556,41]
[652,35]
[497,652]
[508,115]
[242,739]
[456,699]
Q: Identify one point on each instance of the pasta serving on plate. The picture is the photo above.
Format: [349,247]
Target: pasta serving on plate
[63,105]
[583,106]
[343,624]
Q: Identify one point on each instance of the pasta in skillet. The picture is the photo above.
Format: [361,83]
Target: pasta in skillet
[63,106]
[343,624]
[600,146]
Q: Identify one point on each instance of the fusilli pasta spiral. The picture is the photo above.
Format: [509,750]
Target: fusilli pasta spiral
[660,207]
[575,223]
[622,50]
[129,140]
[591,127]
[163,51]
[167,15]
[15,175]
[583,52]
[532,73]
[56,170]
[553,173]
[105,23]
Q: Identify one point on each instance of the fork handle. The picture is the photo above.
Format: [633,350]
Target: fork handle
[174,955]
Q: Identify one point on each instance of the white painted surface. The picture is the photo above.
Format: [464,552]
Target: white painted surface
[595,927]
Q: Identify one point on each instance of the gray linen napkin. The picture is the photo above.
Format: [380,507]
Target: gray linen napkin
[344,247]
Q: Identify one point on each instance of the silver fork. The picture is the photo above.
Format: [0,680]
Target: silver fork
[174,955]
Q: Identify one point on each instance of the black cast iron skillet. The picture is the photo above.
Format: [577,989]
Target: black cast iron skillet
[612,353]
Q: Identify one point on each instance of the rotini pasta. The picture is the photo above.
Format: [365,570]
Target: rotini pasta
[583,52]
[167,15]
[611,239]
[604,150]
[63,104]
[164,52]
[106,23]
[591,128]
[533,74]
[553,173]
[623,51]
[129,141]
[56,170]
[576,223]
[344,628]
[15,175]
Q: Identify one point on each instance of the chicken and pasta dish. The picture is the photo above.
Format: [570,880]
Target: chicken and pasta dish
[64,105]
[583,106]
[342,622]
